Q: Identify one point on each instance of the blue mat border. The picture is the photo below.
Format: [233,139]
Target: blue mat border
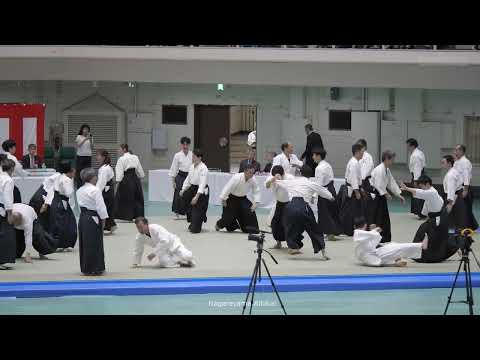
[178,286]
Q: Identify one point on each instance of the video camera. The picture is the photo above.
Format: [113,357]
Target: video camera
[257,235]
[462,240]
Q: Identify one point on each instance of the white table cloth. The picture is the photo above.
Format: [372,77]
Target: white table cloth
[28,185]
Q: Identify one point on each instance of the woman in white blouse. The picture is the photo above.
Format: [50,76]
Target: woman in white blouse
[84,144]
[129,203]
[106,187]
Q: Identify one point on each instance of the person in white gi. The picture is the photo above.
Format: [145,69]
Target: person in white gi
[416,166]
[181,163]
[10,148]
[167,247]
[287,159]
[453,189]
[390,254]
[106,186]
[366,162]
[7,239]
[23,218]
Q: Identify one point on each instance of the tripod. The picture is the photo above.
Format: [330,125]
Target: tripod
[257,276]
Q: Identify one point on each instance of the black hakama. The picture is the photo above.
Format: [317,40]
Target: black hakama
[7,241]
[17,197]
[416,206]
[439,249]
[36,202]
[109,199]
[368,202]
[129,203]
[196,214]
[471,220]
[277,223]
[90,236]
[299,218]
[328,212]
[237,214]
[349,210]
[380,216]
[179,204]
[63,225]
[458,217]
[82,162]
[42,241]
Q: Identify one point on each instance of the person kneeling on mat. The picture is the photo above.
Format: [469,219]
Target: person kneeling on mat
[367,252]
[167,247]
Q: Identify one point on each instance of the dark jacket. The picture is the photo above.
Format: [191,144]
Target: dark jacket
[244,164]
[26,161]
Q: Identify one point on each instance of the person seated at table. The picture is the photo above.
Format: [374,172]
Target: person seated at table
[252,154]
[32,160]
[238,210]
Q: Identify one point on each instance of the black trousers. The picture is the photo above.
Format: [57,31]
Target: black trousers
[350,209]
[7,241]
[237,214]
[472,221]
[17,196]
[328,213]
[109,200]
[417,204]
[299,218]
[380,216]
[129,202]
[458,218]
[42,241]
[36,202]
[278,223]
[179,205]
[82,162]
[63,224]
[196,214]
[90,236]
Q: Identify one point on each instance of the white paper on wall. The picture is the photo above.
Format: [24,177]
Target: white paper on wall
[4,131]
[159,138]
[29,132]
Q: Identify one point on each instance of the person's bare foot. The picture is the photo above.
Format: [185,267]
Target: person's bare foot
[294,252]
[425,244]
[401,263]
[28,258]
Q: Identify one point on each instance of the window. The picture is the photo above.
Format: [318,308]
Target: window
[174,114]
[472,134]
[340,120]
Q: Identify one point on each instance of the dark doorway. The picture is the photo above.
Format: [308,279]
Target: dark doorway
[212,123]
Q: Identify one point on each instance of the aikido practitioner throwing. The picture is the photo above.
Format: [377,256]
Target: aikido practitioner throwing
[436,226]
[181,163]
[195,193]
[382,182]
[416,166]
[238,210]
[7,232]
[281,195]
[299,216]
[329,209]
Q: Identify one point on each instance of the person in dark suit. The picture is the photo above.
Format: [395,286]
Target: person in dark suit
[32,160]
[252,154]
[314,140]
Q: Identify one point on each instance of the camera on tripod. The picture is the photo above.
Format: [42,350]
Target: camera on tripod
[462,240]
[259,238]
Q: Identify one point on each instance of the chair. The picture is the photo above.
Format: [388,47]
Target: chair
[67,153]
[49,157]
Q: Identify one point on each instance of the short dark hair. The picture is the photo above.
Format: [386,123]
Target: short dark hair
[285,145]
[462,147]
[362,142]
[356,148]
[412,142]
[388,155]
[65,167]
[320,151]
[278,169]
[359,222]
[198,153]
[309,127]
[185,140]
[449,159]
[8,144]
[306,171]
[141,219]
[80,132]
[8,165]
[251,166]
[424,179]
[32,146]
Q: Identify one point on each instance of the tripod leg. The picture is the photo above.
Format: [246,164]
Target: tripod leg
[453,287]
[254,285]
[250,286]
[468,285]
[274,287]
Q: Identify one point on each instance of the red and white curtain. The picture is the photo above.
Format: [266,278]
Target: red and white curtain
[24,123]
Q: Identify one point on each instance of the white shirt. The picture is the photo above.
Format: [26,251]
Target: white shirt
[382,180]
[18,171]
[237,186]
[280,193]
[252,138]
[28,217]
[366,165]
[160,240]
[197,175]
[283,161]
[324,173]
[49,182]
[180,162]
[6,193]
[304,188]
[353,175]
[89,197]
[128,161]
[452,182]
[433,201]
[64,185]
[464,167]
[105,174]
[417,163]
[86,148]
[365,244]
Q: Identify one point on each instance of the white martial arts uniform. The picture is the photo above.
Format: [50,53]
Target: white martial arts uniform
[237,186]
[382,180]
[304,188]
[125,162]
[417,163]
[286,163]
[433,201]
[279,193]
[252,138]
[90,197]
[64,185]
[180,162]
[28,217]
[324,173]
[166,246]
[197,175]
[353,175]
[464,167]
[366,252]
[452,182]
[18,171]
[105,174]
[366,165]
[6,193]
